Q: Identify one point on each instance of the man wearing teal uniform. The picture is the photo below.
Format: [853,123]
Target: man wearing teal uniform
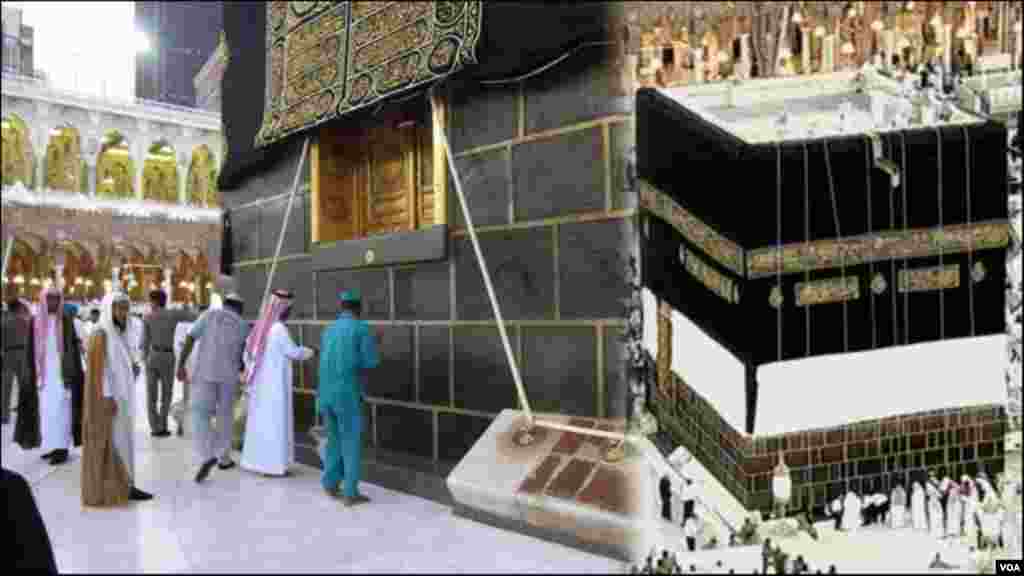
[346,349]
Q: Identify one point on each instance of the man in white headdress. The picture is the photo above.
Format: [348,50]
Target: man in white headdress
[108,456]
[918,508]
[851,511]
[269,446]
[898,511]
[969,494]
[954,511]
[57,383]
[936,518]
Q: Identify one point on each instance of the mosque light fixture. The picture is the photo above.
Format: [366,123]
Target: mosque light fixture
[819,31]
[877,25]
[34,282]
[88,283]
[19,279]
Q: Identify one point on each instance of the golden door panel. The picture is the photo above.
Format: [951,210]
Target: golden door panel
[342,181]
[391,201]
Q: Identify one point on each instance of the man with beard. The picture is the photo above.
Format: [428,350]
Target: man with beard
[50,412]
[108,460]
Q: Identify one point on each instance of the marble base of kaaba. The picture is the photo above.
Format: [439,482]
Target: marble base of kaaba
[556,489]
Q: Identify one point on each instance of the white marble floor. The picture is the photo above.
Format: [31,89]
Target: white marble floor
[238,522]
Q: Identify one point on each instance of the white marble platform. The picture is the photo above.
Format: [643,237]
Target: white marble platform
[489,479]
[238,522]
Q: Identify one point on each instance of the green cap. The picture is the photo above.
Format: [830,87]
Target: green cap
[350,296]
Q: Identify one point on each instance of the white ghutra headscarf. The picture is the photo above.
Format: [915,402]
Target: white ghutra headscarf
[118,379]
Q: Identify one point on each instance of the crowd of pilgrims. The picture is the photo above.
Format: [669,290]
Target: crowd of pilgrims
[986,514]
[983,515]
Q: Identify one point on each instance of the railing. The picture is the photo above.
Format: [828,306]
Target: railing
[127,101]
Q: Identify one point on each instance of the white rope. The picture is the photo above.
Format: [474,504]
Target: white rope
[520,390]
[284,225]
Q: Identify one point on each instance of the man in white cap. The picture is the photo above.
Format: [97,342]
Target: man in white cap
[57,384]
[269,446]
[222,335]
[108,455]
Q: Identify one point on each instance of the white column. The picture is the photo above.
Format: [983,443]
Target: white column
[41,165]
[698,66]
[1017,48]
[182,181]
[168,286]
[115,278]
[59,280]
[139,159]
[947,48]
[805,54]
[889,42]
[828,51]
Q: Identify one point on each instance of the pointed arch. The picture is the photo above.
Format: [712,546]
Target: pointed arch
[160,173]
[64,165]
[202,178]
[18,159]
[115,167]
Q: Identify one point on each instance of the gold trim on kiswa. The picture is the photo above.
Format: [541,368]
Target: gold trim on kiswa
[916,243]
[718,247]
[712,279]
[929,279]
[827,291]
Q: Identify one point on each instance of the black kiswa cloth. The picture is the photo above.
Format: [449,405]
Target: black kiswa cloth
[29,545]
[516,38]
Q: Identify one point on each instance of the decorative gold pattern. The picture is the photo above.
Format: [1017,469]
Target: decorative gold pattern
[719,248]
[868,248]
[160,176]
[712,279]
[202,178]
[928,279]
[115,173]
[827,291]
[17,152]
[64,163]
[326,59]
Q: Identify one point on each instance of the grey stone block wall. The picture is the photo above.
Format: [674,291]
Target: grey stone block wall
[543,169]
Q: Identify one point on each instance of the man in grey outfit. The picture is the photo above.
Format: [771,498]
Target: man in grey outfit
[221,335]
[158,352]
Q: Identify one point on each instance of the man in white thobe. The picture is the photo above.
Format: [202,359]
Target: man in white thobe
[969,494]
[108,463]
[936,517]
[59,377]
[898,511]
[918,508]
[954,511]
[851,512]
[269,446]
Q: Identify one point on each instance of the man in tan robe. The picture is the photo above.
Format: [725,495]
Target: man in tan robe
[108,459]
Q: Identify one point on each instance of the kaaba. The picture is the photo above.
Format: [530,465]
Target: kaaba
[786,222]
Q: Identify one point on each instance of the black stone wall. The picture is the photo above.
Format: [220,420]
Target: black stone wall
[542,165]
